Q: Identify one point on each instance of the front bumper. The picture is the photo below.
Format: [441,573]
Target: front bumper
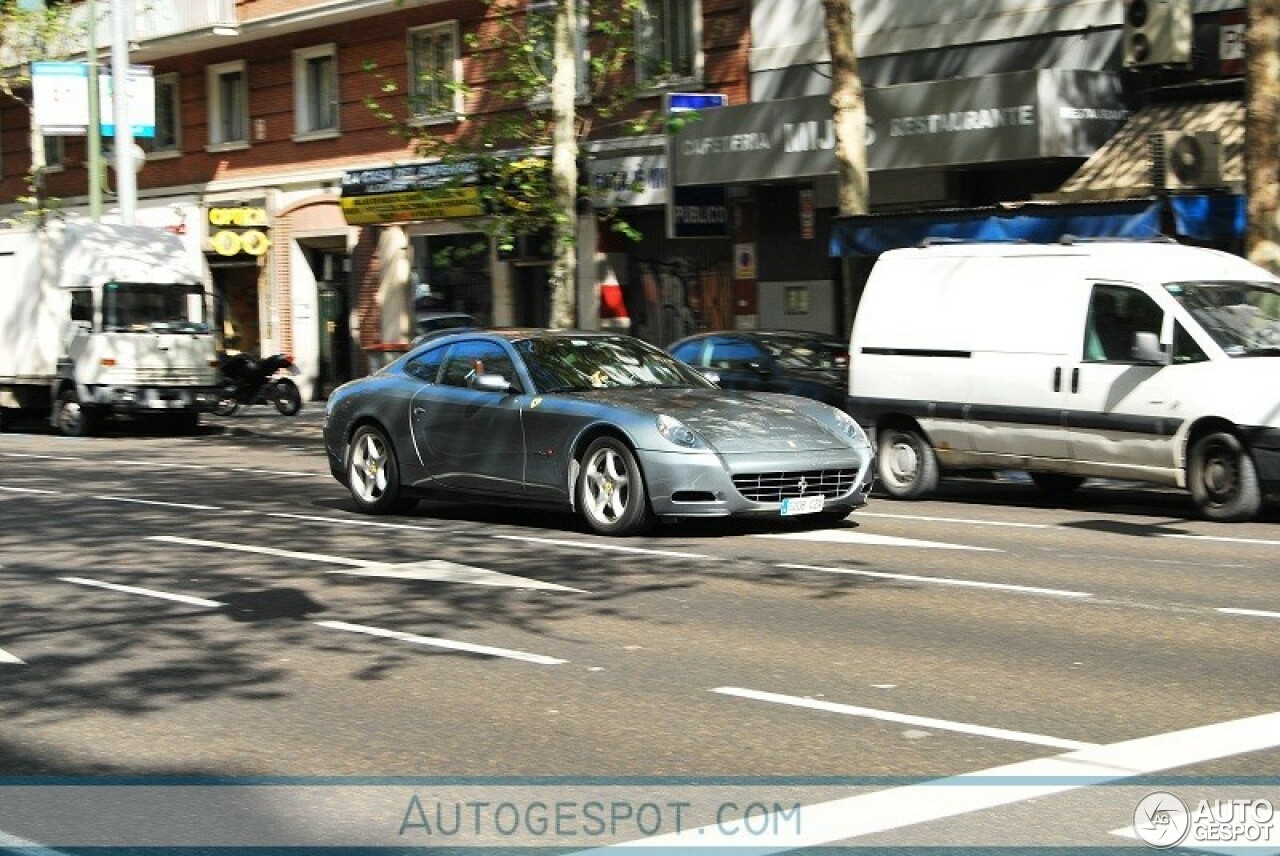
[702,484]
[154,399]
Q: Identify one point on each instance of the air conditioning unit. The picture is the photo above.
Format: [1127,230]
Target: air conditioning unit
[1185,160]
[1157,32]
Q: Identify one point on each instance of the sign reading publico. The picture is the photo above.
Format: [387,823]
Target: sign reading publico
[238,230]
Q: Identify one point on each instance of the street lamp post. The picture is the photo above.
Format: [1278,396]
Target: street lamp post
[126,178]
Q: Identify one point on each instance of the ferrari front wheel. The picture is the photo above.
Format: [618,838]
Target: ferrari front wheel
[611,492]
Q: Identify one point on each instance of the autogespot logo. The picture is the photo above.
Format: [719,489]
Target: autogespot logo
[1161,820]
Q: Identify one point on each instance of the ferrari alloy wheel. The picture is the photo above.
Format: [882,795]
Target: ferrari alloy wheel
[611,492]
[373,475]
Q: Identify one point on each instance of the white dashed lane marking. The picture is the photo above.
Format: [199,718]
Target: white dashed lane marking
[942,581]
[6,657]
[867,539]
[896,808]
[436,642]
[433,641]
[904,718]
[429,570]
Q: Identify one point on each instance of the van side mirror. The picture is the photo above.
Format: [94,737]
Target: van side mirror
[1146,348]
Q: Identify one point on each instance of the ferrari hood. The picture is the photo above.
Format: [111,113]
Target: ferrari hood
[731,421]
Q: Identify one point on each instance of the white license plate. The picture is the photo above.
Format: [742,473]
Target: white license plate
[802,505]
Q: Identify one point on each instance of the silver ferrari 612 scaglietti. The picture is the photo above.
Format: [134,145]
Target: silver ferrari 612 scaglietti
[598,423]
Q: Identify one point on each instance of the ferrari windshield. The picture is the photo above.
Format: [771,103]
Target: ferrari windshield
[1242,317]
[570,363]
[149,307]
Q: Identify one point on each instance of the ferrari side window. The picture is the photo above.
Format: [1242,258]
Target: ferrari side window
[468,359]
[426,366]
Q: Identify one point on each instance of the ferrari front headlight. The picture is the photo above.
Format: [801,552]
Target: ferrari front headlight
[675,431]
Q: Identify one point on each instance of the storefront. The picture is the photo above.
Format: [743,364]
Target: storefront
[930,146]
[237,246]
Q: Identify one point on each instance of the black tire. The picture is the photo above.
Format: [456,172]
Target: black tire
[73,417]
[905,463]
[1057,484]
[611,495]
[227,404]
[1222,478]
[373,474]
[287,398]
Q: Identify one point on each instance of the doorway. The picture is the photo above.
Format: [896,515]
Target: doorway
[533,295]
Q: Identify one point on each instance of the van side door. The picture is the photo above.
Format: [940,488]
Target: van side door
[1121,414]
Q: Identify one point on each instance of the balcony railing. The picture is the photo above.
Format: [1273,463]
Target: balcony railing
[151,20]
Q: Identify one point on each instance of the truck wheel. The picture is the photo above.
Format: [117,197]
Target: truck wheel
[905,462]
[73,418]
[1223,479]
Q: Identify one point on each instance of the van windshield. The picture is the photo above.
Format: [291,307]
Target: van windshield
[149,307]
[1242,317]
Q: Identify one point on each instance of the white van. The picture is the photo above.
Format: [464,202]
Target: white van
[1134,360]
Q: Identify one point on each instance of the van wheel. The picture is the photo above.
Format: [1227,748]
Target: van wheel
[1222,478]
[1056,484]
[905,462]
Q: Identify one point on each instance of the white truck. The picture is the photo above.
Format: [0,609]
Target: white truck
[99,319]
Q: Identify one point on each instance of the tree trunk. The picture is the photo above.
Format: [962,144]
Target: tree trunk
[1262,133]
[848,108]
[564,169]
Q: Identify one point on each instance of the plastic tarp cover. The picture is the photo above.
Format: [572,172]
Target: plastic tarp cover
[1209,217]
[874,234]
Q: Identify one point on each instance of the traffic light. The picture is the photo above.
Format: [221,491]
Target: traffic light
[1157,32]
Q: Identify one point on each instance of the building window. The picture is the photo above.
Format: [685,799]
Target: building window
[168,118]
[55,153]
[315,91]
[434,84]
[228,105]
[668,35]
[542,34]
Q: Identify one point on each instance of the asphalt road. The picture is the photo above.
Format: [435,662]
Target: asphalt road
[212,606]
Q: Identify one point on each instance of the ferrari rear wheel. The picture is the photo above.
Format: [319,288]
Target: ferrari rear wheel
[611,491]
[373,475]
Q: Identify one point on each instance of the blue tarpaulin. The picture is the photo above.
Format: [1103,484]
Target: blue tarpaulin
[1209,217]
[1202,217]
[874,234]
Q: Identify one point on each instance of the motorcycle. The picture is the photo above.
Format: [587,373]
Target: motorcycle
[250,380]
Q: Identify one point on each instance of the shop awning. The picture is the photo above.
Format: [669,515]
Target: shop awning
[873,234]
[1121,168]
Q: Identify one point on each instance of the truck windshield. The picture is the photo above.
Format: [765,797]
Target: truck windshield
[149,307]
[1242,317]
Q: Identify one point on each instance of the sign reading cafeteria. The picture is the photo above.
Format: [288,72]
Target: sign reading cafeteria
[426,191]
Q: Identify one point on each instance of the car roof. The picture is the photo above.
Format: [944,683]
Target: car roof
[807,335]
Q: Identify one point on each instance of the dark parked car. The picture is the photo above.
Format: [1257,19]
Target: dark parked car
[807,364]
[428,325]
[598,423]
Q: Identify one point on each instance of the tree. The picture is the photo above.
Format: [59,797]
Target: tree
[848,108]
[1262,133]
[29,31]
[524,125]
